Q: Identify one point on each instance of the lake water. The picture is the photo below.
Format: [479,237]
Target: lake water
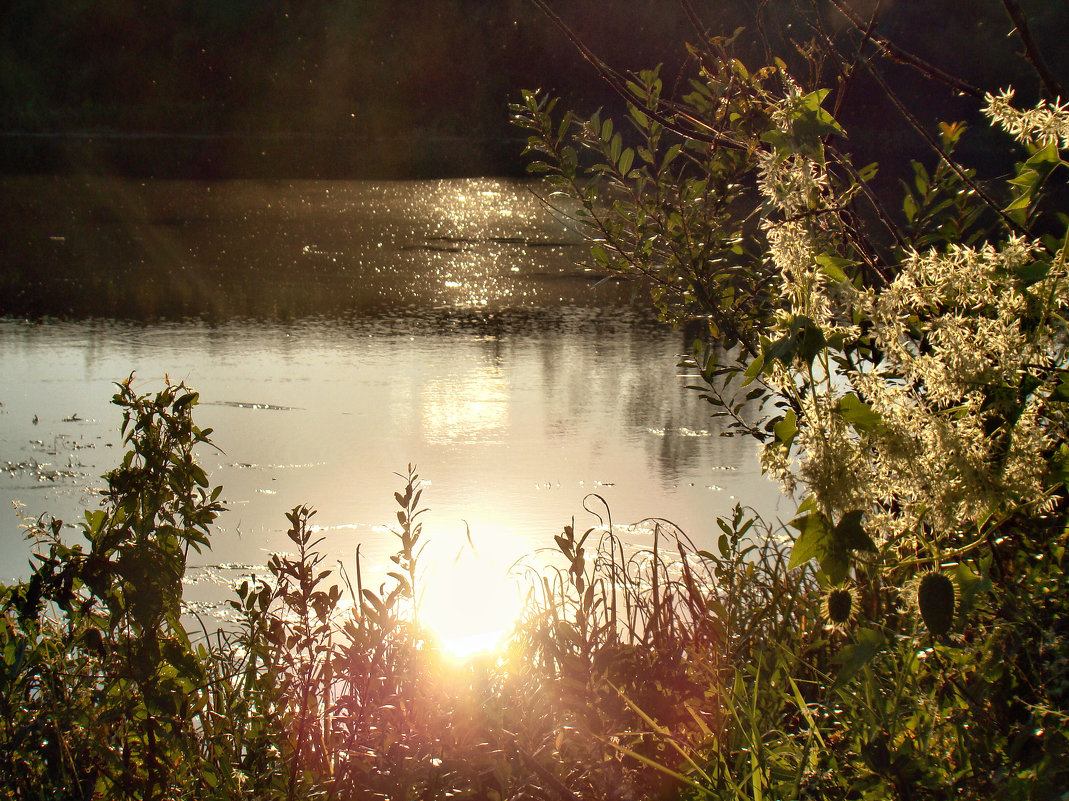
[338,331]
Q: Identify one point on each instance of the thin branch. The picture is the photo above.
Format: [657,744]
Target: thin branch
[859,51]
[703,132]
[938,148]
[695,20]
[847,72]
[896,53]
[1031,52]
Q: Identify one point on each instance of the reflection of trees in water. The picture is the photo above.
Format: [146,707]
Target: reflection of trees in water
[617,366]
[282,253]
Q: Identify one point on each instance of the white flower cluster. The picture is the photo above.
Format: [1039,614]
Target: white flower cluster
[965,308]
[1041,125]
[797,188]
[951,421]
[962,432]
[793,182]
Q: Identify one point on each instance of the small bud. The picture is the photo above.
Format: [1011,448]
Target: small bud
[839,608]
[935,597]
[839,604]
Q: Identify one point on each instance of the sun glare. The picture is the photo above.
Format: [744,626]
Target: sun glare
[469,601]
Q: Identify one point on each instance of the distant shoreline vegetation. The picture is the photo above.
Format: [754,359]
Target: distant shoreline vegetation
[220,156]
[327,155]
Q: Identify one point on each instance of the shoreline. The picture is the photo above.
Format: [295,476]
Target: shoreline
[280,154]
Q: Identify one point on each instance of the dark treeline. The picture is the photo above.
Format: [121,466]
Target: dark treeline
[342,87]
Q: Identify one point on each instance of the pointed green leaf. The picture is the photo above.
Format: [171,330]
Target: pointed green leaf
[858,413]
[854,657]
[813,531]
[786,429]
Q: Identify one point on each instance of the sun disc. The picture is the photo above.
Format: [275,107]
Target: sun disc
[469,603]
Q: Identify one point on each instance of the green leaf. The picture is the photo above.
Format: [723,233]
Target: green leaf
[868,172]
[638,116]
[971,585]
[813,531]
[920,178]
[188,399]
[811,339]
[831,546]
[94,521]
[850,536]
[724,546]
[834,267]
[753,370]
[909,206]
[786,429]
[670,155]
[606,130]
[1059,465]
[1061,392]
[835,564]
[809,124]
[1045,160]
[783,349]
[858,413]
[1031,176]
[854,657]
[779,140]
[1032,273]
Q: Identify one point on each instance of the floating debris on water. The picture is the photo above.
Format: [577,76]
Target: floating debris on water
[341,527]
[682,432]
[42,472]
[267,407]
[223,574]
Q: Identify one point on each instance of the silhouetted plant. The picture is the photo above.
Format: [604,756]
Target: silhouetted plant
[101,680]
[904,374]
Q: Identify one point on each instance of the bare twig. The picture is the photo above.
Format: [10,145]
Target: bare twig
[918,126]
[896,53]
[702,132]
[1031,52]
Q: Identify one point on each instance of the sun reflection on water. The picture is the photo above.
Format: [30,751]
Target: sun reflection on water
[473,406]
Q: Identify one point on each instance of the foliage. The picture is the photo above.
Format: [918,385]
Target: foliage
[96,697]
[325,692]
[905,637]
[905,378]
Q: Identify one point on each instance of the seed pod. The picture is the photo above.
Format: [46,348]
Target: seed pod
[838,605]
[935,597]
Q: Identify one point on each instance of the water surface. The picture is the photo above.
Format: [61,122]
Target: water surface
[337,332]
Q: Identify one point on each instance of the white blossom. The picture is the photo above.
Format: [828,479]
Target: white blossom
[1040,125]
[969,353]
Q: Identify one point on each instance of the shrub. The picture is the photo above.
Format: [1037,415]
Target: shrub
[910,378]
